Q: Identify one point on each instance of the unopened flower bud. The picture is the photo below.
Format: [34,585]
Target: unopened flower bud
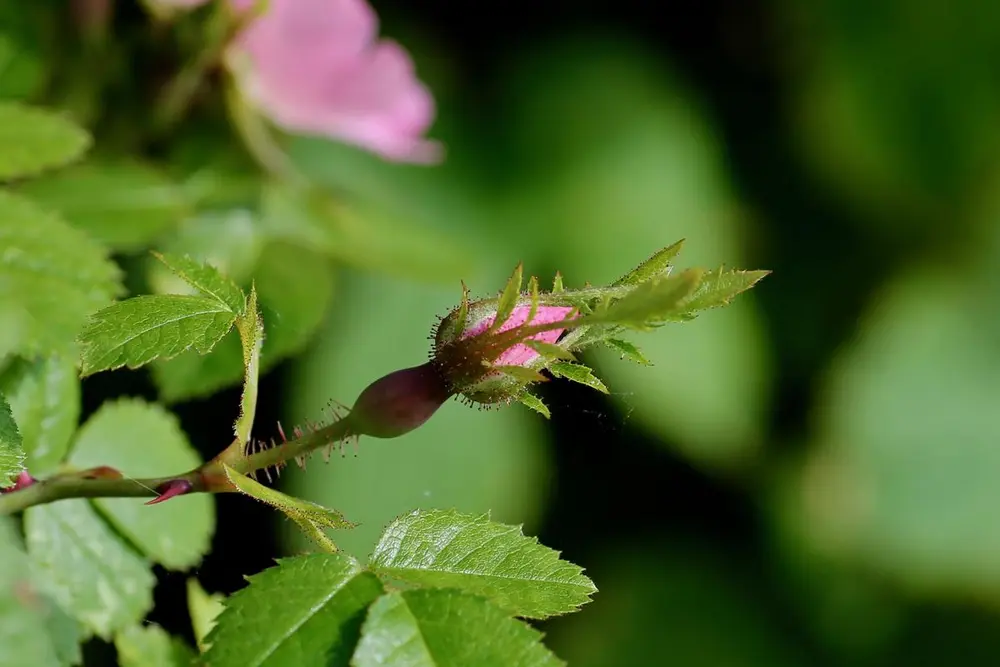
[477,360]
[399,402]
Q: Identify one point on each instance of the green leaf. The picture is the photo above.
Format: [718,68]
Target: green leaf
[135,331]
[24,635]
[145,440]
[577,373]
[508,299]
[654,267]
[651,302]
[193,375]
[11,449]
[206,279]
[204,609]
[44,395]
[32,140]
[251,329]
[307,611]
[521,373]
[312,518]
[53,276]
[448,549]
[126,206]
[151,646]
[359,235]
[294,289]
[550,351]
[535,403]
[557,284]
[22,71]
[446,628]
[718,288]
[86,568]
[627,350]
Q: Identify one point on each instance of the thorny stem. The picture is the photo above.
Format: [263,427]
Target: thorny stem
[207,478]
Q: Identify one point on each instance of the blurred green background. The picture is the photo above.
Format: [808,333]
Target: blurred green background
[809,477]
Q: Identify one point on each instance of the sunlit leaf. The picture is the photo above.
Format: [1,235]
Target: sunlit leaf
[656,266]
[24,635]
[304,611]
[203,608]
[127,206]
[251,330]
[53,276]
[206,279]
[86,567]
[135,331]
[33,140]
[144,440]
[445,549]
[446,628]
[11,449]
[44,395]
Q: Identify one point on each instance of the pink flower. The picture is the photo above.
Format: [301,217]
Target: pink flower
[521,354]
[317,67]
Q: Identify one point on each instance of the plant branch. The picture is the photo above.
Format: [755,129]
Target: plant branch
[207,478]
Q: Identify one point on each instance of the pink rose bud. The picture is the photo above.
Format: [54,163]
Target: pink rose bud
[317,67]
[399,402]
[469,359]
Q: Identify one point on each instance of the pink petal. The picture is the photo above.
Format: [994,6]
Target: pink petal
[520,354]
[313,68]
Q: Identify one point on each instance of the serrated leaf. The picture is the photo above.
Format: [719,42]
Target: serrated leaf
[44,395]
[508,299]
[206,279]
[718,288]
[192,375]
[549,350]
[86,567]
[448,549]
[251,330]
[535,403]
[577,373]
[306,611]
[557,284]
[203,608]
[446,628]
[24,634]
[652,302]
[294,289]
[135,331]
[151,646]
[312,518]
[655,266]
[521,373]
[51,278]
[627,350]
[11,449]
[33,140]
[144,440]
[126,206]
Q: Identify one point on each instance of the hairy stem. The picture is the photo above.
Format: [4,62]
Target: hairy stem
[208,478]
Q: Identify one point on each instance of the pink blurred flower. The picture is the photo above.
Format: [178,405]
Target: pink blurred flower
[317,67]
[521,354]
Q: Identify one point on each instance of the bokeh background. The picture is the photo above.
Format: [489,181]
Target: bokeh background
[809,477]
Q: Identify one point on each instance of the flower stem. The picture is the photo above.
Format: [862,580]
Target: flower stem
[208,478]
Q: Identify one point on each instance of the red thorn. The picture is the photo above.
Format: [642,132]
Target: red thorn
[175,487]
[281,432]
